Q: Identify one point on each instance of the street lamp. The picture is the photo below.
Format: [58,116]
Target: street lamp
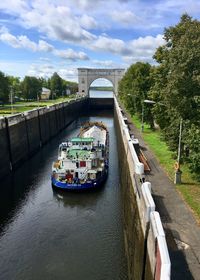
[11,99]
[134,100]
[142,125]
[149,102]
[38,100]
[178,172]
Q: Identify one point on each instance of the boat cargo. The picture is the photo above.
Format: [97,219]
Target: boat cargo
[82,162]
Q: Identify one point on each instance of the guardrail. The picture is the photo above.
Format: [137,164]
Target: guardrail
[156,253]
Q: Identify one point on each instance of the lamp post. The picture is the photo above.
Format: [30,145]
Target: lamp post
[133,97]
[178,172]
[11,99]
[142,125]
[38,100]
[149,102]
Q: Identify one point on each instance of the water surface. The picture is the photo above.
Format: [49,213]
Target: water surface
[55,235]
[100,94]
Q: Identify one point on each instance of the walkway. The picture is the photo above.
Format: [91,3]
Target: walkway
[182,231]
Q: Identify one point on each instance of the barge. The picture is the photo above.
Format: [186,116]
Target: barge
[82,162]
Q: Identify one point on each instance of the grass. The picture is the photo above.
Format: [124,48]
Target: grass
[190,187]
[22,106]
[6,110]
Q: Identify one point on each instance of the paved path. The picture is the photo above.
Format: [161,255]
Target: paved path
[182,231]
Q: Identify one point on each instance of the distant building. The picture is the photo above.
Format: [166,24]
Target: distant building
[45,95]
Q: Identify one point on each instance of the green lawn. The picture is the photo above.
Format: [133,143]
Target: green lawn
[6,110]
[22,106]
[190,187]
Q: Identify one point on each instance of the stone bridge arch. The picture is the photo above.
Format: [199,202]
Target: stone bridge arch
[88,75]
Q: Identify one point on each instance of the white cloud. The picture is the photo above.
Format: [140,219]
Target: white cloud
[70,74]
[60,22]
[46,70]
[148,43]
[41,70]
[42,46]
[3,29]
[23,42]
[57,22]
[16,68]
[72,23]
[103,63]
[143,46]
[179,6]
[87,4]
[107,44]
[44,59]
[87,22]
[71,54]
[10,40]
[26,43]
[133,59]
[124,17]
[138,48]
[14,6]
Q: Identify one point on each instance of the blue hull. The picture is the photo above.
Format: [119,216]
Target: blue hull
[79,187]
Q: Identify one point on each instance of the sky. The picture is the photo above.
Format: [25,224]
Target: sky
[40,37]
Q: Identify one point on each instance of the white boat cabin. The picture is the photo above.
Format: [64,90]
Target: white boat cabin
[80,158]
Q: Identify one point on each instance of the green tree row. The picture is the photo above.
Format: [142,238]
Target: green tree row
[174,84]
[30,87]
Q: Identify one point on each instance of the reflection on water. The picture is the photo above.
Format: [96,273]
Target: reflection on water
[61,235]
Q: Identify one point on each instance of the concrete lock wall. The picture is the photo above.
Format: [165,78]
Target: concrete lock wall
[4,147]
[32,130]
[145,243]
[22,135]
[18,140]
[101,103]
[134,237]
[52,121]
[44,125]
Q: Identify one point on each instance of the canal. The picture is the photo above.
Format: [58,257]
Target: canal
[54,235]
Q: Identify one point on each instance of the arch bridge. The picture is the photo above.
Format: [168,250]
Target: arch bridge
[88,75]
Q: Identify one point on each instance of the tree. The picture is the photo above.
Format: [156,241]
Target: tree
[45,82]
[179,67]
[4,88]
[31,88]
[56,85]
[177,85]
[134,87]
[15,83]
[193,144]
[72,86]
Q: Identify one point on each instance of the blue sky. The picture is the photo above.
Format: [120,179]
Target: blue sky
[40,37]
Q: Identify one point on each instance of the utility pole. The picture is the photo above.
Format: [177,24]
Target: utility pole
[148,102]
[178,172]
[142,126]
[38,100]
[11,99]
